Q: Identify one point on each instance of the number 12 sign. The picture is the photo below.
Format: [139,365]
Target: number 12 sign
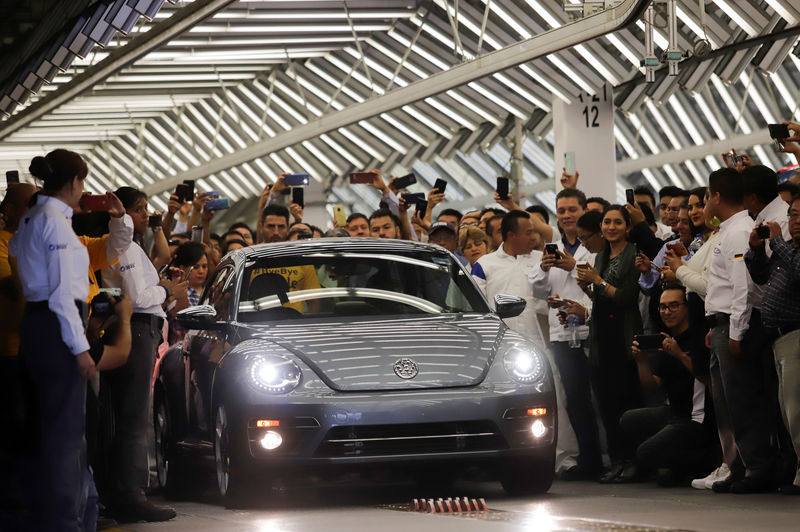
[586,127]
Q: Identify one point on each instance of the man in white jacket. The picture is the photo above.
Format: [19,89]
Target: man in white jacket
[556,277]
[506,272]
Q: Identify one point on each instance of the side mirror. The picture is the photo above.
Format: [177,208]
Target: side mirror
[202,317]
[509,306]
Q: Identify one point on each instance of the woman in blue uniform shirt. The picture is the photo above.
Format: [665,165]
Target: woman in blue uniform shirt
[54,351]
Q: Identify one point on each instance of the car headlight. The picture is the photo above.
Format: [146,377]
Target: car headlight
[524,365]
[274,373]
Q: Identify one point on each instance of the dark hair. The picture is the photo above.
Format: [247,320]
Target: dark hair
[597,199]
[275,210]
[315,229]
[572,193]
[728,183]
[495,210]
[680,193]
[761,181]
[58,168]
[450,212]
[356,216]
[227,244]
[129,196]
[215,236]
[591,221]
[489,227]
[676,286]
[381,213]
[622,210]
[511,222]
[793,189]
[541,210]
[700,192]
[242,225]
[188,254]
[645,191]
[669,190]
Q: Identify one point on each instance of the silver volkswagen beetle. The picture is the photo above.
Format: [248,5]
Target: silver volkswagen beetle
[352,352]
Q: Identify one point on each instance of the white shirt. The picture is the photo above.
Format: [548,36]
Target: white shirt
[500,273]
[565,284]
[729,282]
[776,210]
[693,274]
[138,279]
[53,266]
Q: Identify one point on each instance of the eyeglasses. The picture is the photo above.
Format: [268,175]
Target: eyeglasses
[584,239]
[672,307]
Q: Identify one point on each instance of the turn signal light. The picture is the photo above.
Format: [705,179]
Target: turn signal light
[265,423]
[537,411]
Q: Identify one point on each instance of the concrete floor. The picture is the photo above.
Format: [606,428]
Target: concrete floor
[579,506]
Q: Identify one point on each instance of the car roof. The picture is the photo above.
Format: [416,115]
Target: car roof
[329,245]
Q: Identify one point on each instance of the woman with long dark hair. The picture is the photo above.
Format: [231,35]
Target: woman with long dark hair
[54,351]
[614,322]
[134,273]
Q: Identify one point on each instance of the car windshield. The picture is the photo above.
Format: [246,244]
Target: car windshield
[324,284]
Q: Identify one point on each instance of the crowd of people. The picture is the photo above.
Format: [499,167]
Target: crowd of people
[672,323]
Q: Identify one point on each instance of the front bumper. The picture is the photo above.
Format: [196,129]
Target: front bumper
[426,425]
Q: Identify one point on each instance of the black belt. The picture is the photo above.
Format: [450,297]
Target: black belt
[720,318]
[38,306]
[155,321]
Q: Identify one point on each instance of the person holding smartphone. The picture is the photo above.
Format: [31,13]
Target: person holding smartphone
[613,283]
[135,274]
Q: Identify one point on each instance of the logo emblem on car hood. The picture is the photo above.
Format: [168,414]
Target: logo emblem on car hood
[405,368]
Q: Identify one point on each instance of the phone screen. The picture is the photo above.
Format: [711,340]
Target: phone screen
[502,187]
[569,162]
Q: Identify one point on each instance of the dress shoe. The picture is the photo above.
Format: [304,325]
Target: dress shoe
[613,473]
[142,511]
[751,485]
[629,474]
[789,489]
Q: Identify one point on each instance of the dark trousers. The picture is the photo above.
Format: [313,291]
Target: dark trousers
[573,366]
[740,389]
[684,446]
[130,395]
[58,480]
[617,389]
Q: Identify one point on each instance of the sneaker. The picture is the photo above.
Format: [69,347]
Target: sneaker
[720,473]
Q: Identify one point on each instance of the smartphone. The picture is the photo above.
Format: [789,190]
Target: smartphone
[197,233]
[413,199]
[502,187]
[650,341]
[440,185]
[154,220]
[339,216]
[560,302]
[778,131]
[421,207]
[362,177]
[763,232]
[190,183]
[405,181]
[551,249]
[629,197]
[296,180]
[184,193]
[298,197]
[211,194]
[636,248]
[12,176]
[218,204]
[96,203]
[569,162]
[678,249]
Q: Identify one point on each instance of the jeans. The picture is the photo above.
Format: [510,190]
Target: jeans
[573,365]
[130,386]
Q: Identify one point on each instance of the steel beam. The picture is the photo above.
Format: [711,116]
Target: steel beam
[119,58]
[691,153]
[592,27]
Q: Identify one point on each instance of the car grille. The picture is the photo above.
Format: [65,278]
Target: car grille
[418,438]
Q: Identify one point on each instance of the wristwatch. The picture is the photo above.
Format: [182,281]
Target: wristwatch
[602,285]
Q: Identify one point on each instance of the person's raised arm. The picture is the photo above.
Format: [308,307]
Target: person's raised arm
[159,255]
[173,206]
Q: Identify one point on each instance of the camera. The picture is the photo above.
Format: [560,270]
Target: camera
[103,304]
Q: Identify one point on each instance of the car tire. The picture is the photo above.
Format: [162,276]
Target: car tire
[529,475]
[233,483]
[170,466]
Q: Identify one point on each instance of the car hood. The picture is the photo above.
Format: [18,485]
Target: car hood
[362,355]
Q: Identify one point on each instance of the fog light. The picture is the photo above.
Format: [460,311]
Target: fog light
[538,429]
[271,440]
